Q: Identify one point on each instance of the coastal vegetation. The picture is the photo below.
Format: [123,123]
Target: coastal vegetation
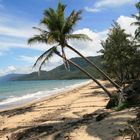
[120,50]
[85,111]
[120,53]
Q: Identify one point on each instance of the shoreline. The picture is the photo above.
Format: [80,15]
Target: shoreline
[67,115]
[55,94]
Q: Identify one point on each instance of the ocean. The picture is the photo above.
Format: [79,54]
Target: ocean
[16,93]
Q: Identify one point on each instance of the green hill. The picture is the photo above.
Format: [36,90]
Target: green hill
[60,73]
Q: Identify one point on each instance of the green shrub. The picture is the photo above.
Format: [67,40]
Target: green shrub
[122,106]
[113,102]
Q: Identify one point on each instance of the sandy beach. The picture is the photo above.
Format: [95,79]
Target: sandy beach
[70,115]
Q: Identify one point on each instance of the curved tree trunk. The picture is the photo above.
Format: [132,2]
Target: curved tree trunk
[111,81]
[89,75]
[66,64]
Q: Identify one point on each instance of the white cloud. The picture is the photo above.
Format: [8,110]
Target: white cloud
[88,48]
[16,27]
[19,32]
[108,3]
[18,70]
[28,59]
[102,4]
[94,10]
[91,48]
[14,33]
[9,27]
[53,63]
[126,23]
[50,64]
[7,45]
[9,69]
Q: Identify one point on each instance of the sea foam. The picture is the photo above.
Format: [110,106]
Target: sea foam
[14,101]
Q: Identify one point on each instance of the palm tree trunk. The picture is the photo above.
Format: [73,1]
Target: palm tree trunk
[66,64]
[111,81]
[89,75]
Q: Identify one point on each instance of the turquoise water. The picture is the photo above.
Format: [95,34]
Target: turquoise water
[15,93]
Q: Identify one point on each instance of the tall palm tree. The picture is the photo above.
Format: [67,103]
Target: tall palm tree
[59,30]
[137,23]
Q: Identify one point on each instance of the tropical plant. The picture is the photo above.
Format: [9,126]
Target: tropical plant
[59,31]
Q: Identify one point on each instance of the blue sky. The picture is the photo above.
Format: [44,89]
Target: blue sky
[17,17]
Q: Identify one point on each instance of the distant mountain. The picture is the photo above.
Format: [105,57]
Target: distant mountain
[60,73]
[9,77]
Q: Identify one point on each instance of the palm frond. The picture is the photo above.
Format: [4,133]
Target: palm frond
[45,22]
[101,51]
[50,19]
[47,56]
[137,33]
[60,15]
[44,55]
[37,39]
[78,37]
[48,37]
[41,30]
[54,35]
[50,13]
[136,17]
[136,23]
[71,21]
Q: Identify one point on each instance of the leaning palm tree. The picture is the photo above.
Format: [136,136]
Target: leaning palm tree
[53,50]
[59,30]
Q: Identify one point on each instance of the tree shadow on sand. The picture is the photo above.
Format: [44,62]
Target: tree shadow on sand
[62,128]
[16,111]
